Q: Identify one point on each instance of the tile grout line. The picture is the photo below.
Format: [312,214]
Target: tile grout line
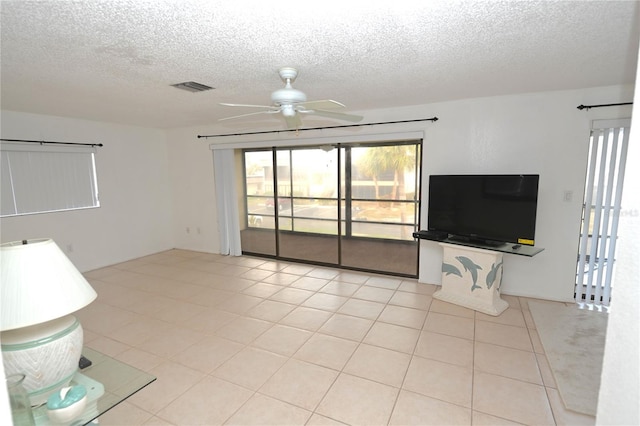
[317,332]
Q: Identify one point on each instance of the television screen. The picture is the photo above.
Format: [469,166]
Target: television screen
[484,208]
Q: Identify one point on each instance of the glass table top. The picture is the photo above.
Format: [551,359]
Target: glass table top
[108,383]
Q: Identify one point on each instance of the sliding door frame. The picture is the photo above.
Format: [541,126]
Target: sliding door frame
[344,202]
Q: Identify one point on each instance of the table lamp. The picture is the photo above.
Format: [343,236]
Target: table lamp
[40,289]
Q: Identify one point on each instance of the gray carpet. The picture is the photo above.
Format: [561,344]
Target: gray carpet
[573,340]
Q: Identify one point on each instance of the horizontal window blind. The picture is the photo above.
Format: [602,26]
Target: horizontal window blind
[45,178]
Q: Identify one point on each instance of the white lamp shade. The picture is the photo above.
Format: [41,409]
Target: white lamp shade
[39,284]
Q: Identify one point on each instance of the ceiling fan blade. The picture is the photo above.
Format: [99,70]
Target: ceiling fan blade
[335,115]
[323,104]
[293,122]
[251,113]
[249,106]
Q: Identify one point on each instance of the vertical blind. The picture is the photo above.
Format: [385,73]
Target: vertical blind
[227,202]
[602,204]
[45,178]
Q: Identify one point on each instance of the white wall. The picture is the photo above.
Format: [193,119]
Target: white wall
[135,217]
[540,133]
[193,186]
[620,381]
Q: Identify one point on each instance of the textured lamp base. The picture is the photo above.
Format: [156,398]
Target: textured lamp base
[47,354]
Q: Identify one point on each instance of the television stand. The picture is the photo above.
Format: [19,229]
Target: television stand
[472,272]
[502,247]
[471,277]
[476,241]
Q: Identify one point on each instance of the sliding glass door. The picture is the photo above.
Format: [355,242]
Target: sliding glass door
[381,200]
[308,220]
[350,206]
[258,226]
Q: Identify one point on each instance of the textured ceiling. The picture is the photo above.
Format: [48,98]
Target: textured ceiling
[115,60]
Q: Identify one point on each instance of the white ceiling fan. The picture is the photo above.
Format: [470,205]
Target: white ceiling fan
[292,103]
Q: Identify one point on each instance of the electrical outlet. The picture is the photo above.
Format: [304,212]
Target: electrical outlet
[69,248]
[567,195]
[188,230]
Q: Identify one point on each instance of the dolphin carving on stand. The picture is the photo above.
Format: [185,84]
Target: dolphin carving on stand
[472,268]
[449,269]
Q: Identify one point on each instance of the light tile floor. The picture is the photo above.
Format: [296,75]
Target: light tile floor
[242,340]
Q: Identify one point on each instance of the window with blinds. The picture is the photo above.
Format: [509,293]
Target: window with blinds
[46,178]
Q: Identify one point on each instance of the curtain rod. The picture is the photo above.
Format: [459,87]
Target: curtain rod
[434,119]
[587,107]
[49,142]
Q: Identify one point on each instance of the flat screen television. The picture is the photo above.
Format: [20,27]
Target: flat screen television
[489,209]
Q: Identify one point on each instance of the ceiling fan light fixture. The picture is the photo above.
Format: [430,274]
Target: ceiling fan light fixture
[288,110]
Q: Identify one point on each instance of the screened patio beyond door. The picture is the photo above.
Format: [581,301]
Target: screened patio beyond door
[350,206]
